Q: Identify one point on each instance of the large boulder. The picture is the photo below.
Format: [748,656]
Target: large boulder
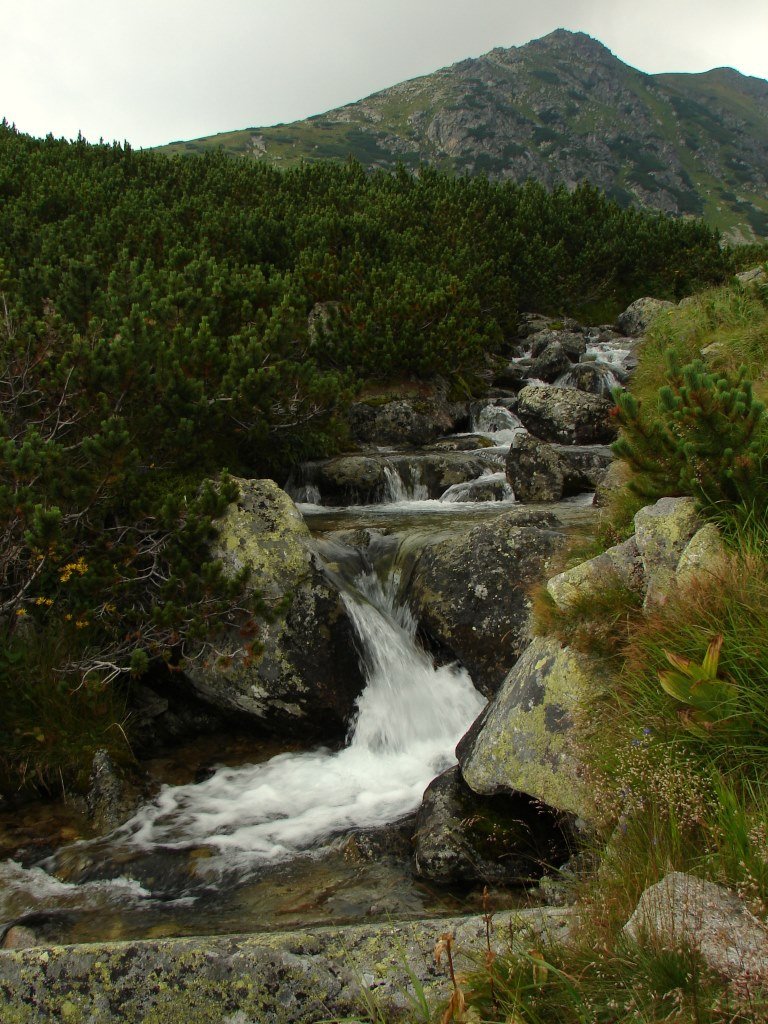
[437,471]
[538,471]
[566,415]
[638,316]
[534,470]
[552,361]
[347,479]
[463,837]
[572,343]
[708,918]
[526,739]
[470,592]
[307,676]
[593,377]
[753,276]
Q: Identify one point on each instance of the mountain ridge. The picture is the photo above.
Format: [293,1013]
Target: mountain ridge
[559,109]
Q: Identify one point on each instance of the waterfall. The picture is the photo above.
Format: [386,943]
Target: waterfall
[396,490]
[408,721]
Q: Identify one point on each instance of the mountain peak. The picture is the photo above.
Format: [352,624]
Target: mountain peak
[560,109]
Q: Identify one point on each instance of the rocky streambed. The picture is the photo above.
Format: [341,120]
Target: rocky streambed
[400,576]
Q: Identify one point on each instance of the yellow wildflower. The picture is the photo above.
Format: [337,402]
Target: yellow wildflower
[80,567]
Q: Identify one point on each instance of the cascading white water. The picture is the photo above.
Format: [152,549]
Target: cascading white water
[496,486]
[498,424]
[493,418]
[409,719]
[396,490]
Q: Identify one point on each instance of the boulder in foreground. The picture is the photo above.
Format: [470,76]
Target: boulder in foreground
[307,677]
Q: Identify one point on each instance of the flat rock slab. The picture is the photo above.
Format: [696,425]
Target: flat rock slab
[299,977]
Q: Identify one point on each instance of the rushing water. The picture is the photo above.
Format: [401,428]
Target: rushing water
[221,855]
[409,718]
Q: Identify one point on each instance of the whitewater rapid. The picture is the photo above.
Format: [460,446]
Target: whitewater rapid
[409,718]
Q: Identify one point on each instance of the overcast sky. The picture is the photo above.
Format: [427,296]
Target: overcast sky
[152,71]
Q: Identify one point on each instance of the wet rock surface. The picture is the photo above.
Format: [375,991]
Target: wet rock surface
[470,593]
[463,837]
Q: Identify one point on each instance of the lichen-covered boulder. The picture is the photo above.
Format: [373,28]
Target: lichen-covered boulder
[566,415]
[534,470]
[619,566]
[662,532]
[705,553]
[297,977]
[753,276]
[463,837]
[307,677]
[710,919]
[470,592]
[525,740]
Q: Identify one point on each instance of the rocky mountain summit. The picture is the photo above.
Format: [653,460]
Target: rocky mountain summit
[560,110]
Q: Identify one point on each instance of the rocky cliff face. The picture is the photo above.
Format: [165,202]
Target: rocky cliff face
[560,109]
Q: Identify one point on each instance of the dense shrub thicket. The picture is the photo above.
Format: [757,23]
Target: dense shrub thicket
[155,328]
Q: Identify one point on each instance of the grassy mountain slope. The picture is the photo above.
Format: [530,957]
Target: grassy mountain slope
[559,109]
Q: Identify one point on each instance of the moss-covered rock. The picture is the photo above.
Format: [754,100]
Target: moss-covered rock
[307,676]
[525,741]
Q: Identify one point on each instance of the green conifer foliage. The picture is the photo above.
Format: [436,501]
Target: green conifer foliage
[707,438]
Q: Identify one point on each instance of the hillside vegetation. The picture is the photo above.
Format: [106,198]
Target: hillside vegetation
[560,110]
[155,331]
